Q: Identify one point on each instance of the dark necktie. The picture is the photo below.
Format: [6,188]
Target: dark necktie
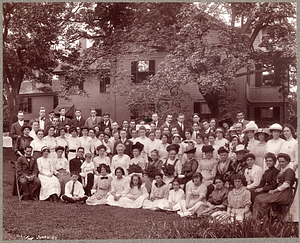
[72,191]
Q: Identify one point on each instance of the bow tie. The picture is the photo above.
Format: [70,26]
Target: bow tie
[249,168]
[104,177]
[27,157]
[42,118]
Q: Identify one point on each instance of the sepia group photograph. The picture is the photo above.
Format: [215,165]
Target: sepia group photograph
[149,120]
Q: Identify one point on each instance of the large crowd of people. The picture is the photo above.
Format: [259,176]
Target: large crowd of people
[225,169]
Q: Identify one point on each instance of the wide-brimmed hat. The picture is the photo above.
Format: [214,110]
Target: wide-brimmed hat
[190,149]
[45,148]
[176,135]
[262,130]
[226,120]
[241,148]
[222,150]
[275,126]
[207,148]
[138,146]
[251,126]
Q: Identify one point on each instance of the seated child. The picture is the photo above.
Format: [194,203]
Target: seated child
[175,196]
[87,167]
[74,191]
[159,192]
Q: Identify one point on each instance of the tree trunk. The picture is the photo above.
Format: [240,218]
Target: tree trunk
[213,104]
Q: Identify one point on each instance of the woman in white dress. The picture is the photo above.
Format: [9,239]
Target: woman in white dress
[51,142]
[101,158]
[120,159]
[118,185]
[61,168]
[290,147]
[135,194]
[260,149]
[37,144]
[62,140]
[274,145]
[163,153]
[195,196]
[74,143]
[86,142]
[102,186]
[220,140]
[176,195]
[50,186]
[249,131]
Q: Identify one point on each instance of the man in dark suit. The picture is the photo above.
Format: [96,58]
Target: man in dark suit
[127,143]
[167,123]
[27,172]
[93,121]
[76,163]
[63,120]
[16,128]
[156,121]
[106,122]
[78,121]
[180,125]
[43,121]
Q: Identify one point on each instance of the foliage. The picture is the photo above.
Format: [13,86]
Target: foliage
[168,170]
[34,37]
[151,171]
[134,168]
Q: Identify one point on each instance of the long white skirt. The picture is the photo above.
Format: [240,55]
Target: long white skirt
[49,186]
[164,205]
[125,202]
[111,201]
[148,204]
[186,212]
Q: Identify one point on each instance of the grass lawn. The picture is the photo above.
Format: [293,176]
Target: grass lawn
[46,220]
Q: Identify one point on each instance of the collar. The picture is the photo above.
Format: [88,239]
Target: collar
[162,184]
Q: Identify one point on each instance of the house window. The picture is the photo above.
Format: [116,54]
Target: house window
[202,109]
[104,79]
[270,75]
[140,70]
[267,114]
[98,112]
[26,105]
[74,88]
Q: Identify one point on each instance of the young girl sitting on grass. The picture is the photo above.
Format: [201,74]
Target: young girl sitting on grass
[135,194]
[159,192]
[176,195]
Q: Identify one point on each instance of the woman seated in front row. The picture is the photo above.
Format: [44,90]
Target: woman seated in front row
[102,186]
[135,194]
[159,192]
[238,202]
[195,196]
[282,195]
[218,199]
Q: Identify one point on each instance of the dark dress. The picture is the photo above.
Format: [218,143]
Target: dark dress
[227,170]
[284,197]
[268,182]
[188,170]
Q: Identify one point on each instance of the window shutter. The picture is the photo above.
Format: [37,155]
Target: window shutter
[258,75]
[134,71]
[29,105]
[151,67]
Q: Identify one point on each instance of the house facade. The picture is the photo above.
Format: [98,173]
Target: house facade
[258,92]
